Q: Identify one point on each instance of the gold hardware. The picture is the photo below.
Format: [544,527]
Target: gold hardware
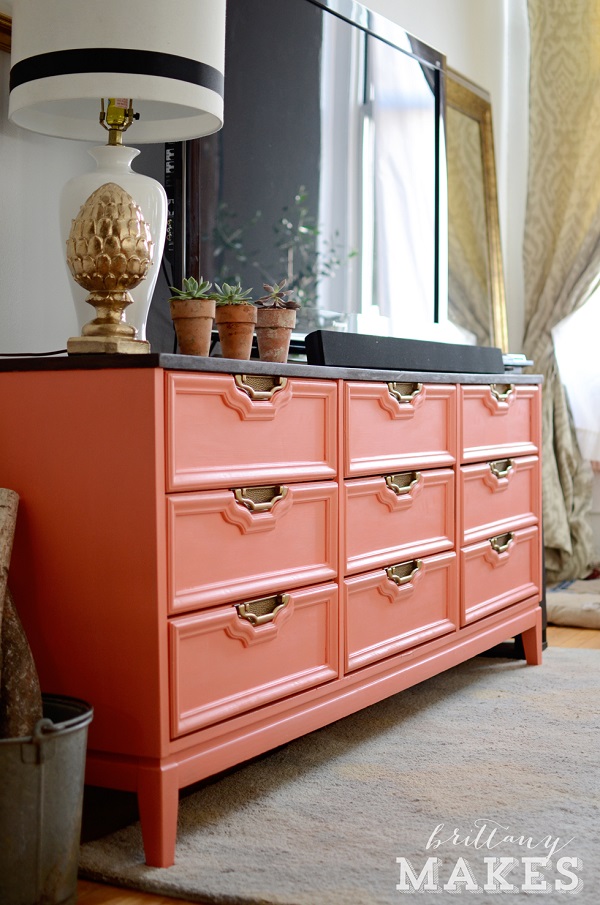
[404,482]
[260,388]
[259,612]
[502,542]
[501,391]
[117,119]
[260,499]
[404,392]
[404,571]
[501,468]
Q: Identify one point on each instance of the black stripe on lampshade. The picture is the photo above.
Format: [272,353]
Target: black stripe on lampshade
[166,55]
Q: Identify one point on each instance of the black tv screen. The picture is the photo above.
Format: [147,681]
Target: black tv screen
[328,170]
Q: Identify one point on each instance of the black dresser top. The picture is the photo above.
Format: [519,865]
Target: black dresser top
[231,366]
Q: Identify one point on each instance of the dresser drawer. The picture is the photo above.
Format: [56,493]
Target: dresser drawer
[493,578]
[223,663]
[220,548]
[497,496]
[398,516]
[393,427]
[384,615]
[222,432]
[499,420]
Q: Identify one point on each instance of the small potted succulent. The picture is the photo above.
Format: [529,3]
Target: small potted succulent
[193,312]
[235,317]
[275,321]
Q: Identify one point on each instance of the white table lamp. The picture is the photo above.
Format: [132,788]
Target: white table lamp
[154,65]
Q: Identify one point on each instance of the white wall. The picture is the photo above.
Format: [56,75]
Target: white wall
[486,41]
[36,308]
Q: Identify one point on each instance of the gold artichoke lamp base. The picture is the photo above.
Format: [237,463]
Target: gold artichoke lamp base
[109,251]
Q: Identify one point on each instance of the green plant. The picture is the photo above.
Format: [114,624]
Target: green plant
[301,250]
[304,254]
[228,239]
[231,295]
[277,296]
[192,289]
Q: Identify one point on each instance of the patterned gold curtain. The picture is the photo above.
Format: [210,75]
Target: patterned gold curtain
[562,248]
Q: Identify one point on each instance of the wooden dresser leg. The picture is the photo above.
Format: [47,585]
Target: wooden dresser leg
[532,641]
[158,802]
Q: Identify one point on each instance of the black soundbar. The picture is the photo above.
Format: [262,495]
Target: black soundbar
[355,350]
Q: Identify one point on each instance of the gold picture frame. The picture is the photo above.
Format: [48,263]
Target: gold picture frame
[474,103]
[5,32]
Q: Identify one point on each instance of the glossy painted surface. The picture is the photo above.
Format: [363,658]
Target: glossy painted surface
[492,504]
[218,550]
[250,665]
[383,618]
[218,436]
[383,526]
[384,435]
[492,427]
[108,461]
[85,452]
[491,581]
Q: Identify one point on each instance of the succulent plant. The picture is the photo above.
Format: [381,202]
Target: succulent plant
[277,296]
[192,289]
[231,295]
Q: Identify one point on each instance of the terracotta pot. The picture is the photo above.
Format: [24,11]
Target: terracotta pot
[235,324]
[273,332]
[193,320]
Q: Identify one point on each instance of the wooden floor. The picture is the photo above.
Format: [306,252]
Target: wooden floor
[562,636]
[94,894]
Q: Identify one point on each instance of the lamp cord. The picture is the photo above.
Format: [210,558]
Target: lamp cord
[64,351]
[32,354]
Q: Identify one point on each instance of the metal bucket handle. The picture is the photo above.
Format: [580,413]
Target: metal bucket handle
[39,748]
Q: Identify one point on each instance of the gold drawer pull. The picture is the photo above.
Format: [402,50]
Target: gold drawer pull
[403,482]
[260,499]
[404,392]
[404,571]
[502,542]
[501,391]
[259,612]
[259,387]
[501,468]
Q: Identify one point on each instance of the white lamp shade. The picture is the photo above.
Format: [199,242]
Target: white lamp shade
[167,55]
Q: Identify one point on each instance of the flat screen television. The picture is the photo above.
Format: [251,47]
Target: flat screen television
[329,170]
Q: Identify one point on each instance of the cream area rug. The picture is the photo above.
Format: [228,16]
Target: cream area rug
[482,783]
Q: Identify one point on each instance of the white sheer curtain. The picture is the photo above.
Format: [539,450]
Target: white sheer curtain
[577,351]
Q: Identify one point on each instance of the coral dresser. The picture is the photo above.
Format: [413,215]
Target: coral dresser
[221,562]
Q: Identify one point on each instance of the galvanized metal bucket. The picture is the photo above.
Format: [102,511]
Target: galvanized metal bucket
[41,801]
